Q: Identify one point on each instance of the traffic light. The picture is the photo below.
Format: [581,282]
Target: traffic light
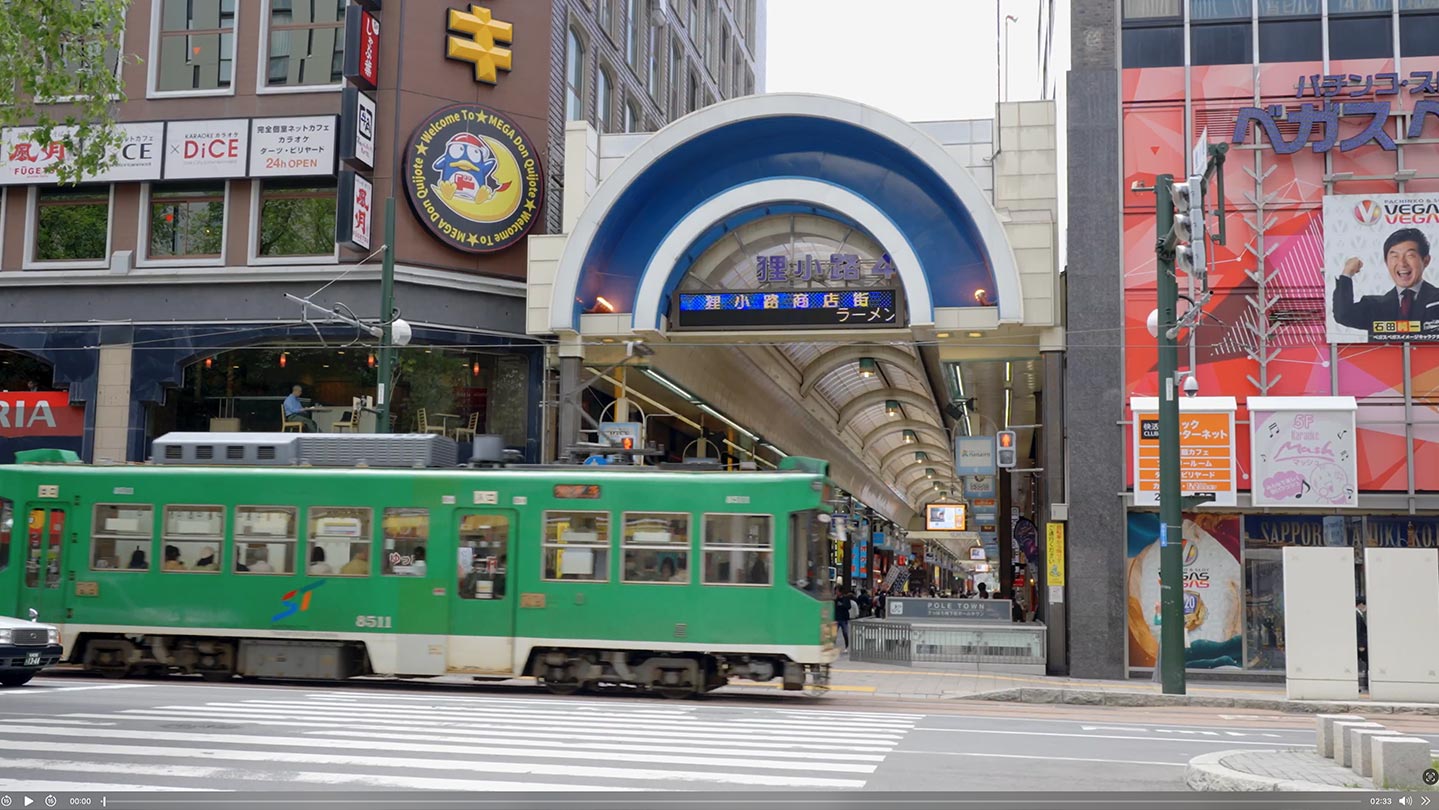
[1007,454]
[1188,230]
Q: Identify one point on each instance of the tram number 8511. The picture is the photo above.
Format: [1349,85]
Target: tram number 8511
[384,622]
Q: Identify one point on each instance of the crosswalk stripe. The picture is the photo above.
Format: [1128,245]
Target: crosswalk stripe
[252,739]
[72,786]
[493,768]
[39,690]
[818,732]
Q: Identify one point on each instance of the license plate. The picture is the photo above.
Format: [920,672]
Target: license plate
[32,659]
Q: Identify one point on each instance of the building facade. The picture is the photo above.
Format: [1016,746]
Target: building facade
[1317,366]
[161,295]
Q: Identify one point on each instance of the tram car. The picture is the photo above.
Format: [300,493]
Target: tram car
[304,556]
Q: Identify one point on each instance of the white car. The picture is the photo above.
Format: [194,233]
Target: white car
[26,648]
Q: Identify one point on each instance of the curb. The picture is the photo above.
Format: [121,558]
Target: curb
[1207,773]
[1095,697]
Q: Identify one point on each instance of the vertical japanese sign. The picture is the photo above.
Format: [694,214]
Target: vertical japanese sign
[1054,560]
[354,218]
[362,48]
[1304,451]
[1206,449]
[357,128]
[355,214]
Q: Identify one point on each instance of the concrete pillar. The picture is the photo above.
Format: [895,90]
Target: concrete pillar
[112,403]
[567,433]
[1051,458]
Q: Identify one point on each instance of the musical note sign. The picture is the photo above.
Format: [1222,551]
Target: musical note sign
[1304,457]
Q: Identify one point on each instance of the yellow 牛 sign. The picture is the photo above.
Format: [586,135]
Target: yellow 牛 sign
[1054,554]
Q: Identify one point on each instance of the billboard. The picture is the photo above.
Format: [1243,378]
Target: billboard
[1377,251]
[1304,451]
[37,420]
[1213,587]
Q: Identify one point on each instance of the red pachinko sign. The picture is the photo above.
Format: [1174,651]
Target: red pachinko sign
[31,414]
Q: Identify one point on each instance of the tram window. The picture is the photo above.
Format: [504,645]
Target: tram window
[483,544]
[120,537]
[7,528]
[265,539]
[340,541]
[808,557]
[193,538]
[656,547]
[738,549]
[407,532]
[577,546]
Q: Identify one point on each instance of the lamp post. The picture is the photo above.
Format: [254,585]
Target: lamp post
[385,376]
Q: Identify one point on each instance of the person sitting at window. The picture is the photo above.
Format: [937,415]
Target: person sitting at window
[138,561]
[295,411]
[359,565]
[318,566]
[418,567]
[260,561]
[207,560]
[172,559]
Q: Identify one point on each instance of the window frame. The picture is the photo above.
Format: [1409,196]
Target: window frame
[706,547]
[293,541]
[604,100]
[95,534]
[1412,16]
[1386,19]
[575,52]
[152,70]
[165,538]
[384,549]
[144,259]
[262,68]
[366,537]
[32,235]
[256,205]
[510,522]
[626,547]
[606,543]
[7,537]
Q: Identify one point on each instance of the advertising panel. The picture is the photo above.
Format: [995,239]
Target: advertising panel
[974,455]
[36,420]
[362,47]
[1304,451]
[355,215]
[1206,442]
[293,147]
[22,161]
[196,150]
[1377,250]
[1213,588]
[357,128]
[946,517]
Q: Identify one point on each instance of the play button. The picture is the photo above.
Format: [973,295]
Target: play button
[29,801]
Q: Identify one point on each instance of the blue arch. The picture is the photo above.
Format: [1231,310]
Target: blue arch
[940,229]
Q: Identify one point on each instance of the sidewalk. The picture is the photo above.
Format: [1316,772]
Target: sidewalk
[919,683]
[1291,770]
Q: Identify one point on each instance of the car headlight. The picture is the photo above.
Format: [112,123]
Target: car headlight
[5,636]
[52,636]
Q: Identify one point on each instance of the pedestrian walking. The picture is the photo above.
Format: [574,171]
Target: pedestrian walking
[842,605]
[1361,621]
[862,599]
[879,599]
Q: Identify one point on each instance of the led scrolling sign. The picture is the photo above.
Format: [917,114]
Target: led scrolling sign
[1338,96]
[769,307]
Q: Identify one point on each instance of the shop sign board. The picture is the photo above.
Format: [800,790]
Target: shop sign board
[974,455]
[293,147]
[1206,449]
[136,159]
[1364,102]
[766,309]
[362,47]
[965,610]
[1377,276]
[355,218]
[31,420]
[1366,531]
[357,128]
[1304,451]
[196,150]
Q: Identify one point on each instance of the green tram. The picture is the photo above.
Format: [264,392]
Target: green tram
[665,579]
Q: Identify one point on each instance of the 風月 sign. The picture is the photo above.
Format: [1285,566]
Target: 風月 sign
[136,159]
[1304,451]
[355,217]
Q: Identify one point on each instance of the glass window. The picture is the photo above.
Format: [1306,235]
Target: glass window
[1220,9]
[1419,34]
[1360,29]
[120,537]
[808,555]
[7,529]
[1264,608]
[297,217]
[677,81]
[307,43]
[692,100]
[340,541]
[484,542]
[1360,7]
[738,549]
[632,117]
[407,531]
[654,51]
[657,547]
[193,538]
[265,539]
[1152,9]
[1222,44]
[187,219]
[1291,40]
[577,546]
[197,45]
[603,120]
[1288,8]
[1153,46]
[633,21]
[574,78]
[72,223]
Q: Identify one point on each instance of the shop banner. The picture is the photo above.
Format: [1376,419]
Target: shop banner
[354,215]
[1377,249]
[293,147]
[1303,451]
[39,420]
[206,149]
[357,128]
[1213,588]
[1206,444]
[974,455]
[137,158]
[1363,531]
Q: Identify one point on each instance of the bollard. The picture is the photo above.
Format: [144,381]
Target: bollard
[1325,724]
[1400,762]
[1359,748]
[1342,754]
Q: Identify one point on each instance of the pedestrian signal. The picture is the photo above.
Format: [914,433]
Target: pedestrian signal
[1007,450]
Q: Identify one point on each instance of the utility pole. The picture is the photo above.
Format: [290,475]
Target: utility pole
[387,318]
[1179,219]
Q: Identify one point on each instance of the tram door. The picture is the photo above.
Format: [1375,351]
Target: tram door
[41,587]
[482,616]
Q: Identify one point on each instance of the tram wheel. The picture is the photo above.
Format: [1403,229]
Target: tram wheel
[674,692]
[216,676]
[561,687]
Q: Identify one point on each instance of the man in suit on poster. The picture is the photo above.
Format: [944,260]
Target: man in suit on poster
[1406,254]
